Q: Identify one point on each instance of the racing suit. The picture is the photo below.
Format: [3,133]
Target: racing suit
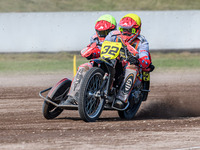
[90,52]
[133,71]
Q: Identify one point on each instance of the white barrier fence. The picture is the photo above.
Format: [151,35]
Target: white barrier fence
[71,31]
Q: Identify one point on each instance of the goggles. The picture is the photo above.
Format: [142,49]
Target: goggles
[127,31]
[102,33]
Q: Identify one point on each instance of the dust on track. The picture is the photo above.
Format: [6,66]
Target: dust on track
[170,116]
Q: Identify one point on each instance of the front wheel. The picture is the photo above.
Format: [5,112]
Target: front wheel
[90,105]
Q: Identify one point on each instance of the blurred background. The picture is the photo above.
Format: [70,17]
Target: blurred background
[42,35]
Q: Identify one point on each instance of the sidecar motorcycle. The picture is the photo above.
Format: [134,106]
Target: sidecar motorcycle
[98,89]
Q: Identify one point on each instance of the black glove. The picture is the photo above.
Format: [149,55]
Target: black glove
[133,60]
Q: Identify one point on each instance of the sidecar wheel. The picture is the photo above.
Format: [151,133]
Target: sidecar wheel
[56,94]
[90,107]
[50,111]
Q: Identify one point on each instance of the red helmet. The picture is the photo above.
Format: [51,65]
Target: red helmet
[104,25]
[130,26]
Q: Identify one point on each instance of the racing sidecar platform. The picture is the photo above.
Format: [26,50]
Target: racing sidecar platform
[67,107]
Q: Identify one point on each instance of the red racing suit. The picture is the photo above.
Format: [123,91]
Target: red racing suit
[93,49]
[139,47]
[90,52]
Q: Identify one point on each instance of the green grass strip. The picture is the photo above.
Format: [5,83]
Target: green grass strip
[63,61]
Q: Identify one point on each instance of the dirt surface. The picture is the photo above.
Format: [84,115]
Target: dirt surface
[169,119]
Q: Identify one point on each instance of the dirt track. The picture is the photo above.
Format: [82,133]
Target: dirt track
[169,119]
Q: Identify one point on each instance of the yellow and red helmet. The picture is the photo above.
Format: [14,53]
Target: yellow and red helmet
[104,25]
[130,26]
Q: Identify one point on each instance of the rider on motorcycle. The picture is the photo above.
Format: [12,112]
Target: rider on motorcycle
[138,59]
[103,26]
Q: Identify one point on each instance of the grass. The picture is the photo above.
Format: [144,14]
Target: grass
[95,5]
[63,61]
[184,60]
[37,62]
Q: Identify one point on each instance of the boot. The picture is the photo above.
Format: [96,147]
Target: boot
[119,104]
[69,101]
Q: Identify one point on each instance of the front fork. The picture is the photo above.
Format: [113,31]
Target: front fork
[104,93]
[104,90]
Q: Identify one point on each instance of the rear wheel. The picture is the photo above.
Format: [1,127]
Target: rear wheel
[90,102]
[131,111]
[56,94]
[146,85]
